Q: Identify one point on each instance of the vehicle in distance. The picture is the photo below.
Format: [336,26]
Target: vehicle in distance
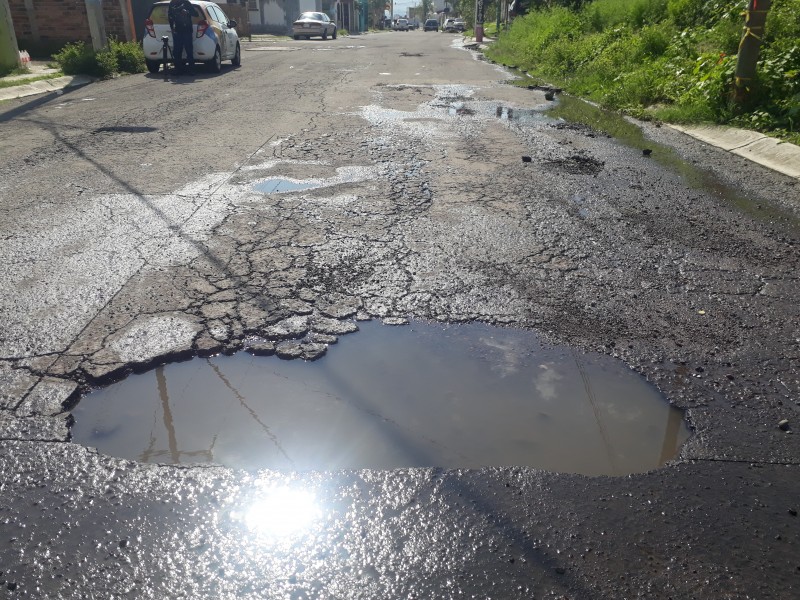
[312,24]
[401,25]
[431,25]
[454,25]
[215,38]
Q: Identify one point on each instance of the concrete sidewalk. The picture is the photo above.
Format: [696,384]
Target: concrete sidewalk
[43,86]
[769,152]
[24,88]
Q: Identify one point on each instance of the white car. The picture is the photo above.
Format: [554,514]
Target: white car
[454,25]
[215,37]
[401,25]
[312,24]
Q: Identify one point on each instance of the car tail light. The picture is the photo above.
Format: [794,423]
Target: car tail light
[201,28]
[148,24]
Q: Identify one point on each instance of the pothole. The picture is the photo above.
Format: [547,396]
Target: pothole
[312,180]
[423,395]
[277,185]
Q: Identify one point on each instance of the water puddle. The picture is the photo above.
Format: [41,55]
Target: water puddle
[277,185]
[568,109]
[460,396]
[521,115]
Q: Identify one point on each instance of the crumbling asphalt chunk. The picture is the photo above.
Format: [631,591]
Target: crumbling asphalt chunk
[48,397]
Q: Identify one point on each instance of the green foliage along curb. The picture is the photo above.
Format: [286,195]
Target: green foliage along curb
[119,57]
[667,59]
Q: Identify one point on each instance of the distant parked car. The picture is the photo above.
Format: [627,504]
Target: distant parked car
[215,37]
[454,26]
[401,25]
[312,24]
[431,25]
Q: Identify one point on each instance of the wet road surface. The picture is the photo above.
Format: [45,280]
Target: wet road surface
[137,230]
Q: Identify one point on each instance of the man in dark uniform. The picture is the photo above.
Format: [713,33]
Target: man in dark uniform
[180,14]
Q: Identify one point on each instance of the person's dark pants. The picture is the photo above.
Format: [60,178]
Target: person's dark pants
[182,41]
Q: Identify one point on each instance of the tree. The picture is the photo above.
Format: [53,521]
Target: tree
[376,10]
[754,19]
[426,8]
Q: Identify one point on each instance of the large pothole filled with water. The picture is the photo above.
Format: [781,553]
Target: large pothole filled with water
[423,395]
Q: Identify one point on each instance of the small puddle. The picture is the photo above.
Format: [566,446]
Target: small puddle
[277,185]
[521,115]
[424,395]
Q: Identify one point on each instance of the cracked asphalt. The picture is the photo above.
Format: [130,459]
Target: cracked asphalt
[133,234]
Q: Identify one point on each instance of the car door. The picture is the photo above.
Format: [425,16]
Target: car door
[227,35]
[230,33]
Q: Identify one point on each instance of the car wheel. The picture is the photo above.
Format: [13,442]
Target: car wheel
[334,33]
[297,37]
[215,64]
[324,34]
[152,65]
[236,61]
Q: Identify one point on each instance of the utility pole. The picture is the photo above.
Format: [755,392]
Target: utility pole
[754,19]
[479,21]
[97,24]
[9,51]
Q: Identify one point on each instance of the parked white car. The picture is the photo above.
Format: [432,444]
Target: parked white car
[454,25]
[215,36]
[312,24]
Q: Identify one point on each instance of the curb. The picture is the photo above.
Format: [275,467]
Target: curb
[44,86]
[756,147]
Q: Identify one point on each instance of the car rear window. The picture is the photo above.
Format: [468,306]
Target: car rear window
[158,14]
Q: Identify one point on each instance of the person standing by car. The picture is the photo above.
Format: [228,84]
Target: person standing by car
[180,22]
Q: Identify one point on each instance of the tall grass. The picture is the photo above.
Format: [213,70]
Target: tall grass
[669,59]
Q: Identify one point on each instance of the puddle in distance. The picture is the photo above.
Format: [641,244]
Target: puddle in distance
[459,396]
[276,185]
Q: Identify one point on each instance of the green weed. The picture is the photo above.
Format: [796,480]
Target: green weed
[669,59]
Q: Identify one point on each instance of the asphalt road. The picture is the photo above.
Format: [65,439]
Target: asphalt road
[133,235]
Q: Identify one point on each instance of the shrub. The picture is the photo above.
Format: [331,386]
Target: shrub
[78,58]
[105,63]
[130,58]
[655,40]
[686,13]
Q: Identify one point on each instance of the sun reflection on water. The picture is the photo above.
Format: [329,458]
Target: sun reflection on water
[281,512]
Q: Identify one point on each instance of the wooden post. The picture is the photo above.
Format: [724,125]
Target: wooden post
[754,19]
[127,20]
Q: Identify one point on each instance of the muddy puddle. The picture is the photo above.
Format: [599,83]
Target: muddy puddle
[422,395]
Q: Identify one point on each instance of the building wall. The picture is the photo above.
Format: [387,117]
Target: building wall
[52,23]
